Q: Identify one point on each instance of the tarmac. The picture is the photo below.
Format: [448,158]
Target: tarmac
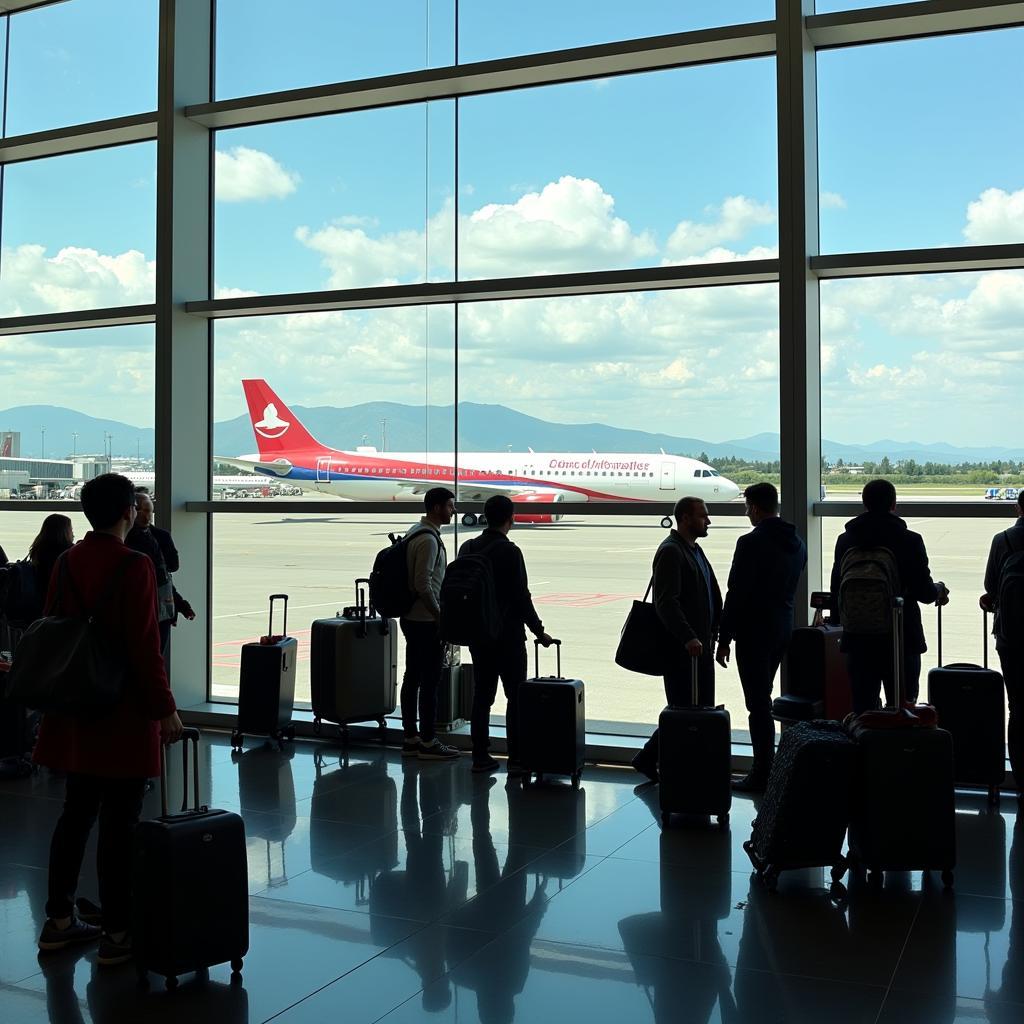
[584,574]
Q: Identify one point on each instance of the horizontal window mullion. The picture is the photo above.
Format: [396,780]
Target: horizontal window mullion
[79,138]
[117,316]
[924,509]
[953,259]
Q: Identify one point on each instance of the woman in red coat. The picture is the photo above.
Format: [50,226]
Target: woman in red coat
[107,759]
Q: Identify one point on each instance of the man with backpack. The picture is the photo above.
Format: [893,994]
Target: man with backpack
[486,603]
[878,559]
[426,560]
[1004,595]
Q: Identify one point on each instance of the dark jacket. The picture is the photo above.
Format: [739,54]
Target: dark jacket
[511,585]
[167,548]
[681,596]
[766,568]
[126,742]
[887,530]
[1001,550]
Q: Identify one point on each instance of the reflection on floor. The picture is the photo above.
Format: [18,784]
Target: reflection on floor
[420,892]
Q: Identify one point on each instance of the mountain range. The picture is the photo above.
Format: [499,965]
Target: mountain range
[481,428]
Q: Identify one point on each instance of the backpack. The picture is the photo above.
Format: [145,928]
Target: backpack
[470,613]
[390,593]
[20,600]
[869,583]
[1010,597]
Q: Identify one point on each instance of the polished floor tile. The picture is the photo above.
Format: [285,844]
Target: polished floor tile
[401,890]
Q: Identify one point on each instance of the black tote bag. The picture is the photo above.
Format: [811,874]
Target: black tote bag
[642,642]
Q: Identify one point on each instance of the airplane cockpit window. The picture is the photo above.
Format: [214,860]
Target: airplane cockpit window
[696,473]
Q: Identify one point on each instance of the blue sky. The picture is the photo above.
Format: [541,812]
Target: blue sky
[920,144]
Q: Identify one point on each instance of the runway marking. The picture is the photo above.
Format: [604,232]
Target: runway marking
[580,600]
[294,607]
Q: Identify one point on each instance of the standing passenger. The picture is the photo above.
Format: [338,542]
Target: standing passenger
[1005,597]
[504,657]
[758,615]
[689,605]
[423,648]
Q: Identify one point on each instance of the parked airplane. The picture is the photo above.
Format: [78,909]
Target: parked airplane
[289,452]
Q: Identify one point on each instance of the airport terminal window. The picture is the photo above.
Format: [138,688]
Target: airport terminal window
[68,63]
[352,200]
[340,40]
[79,231]
[914,144]
[83,404]
[538,25]
[547,186]
[921,382]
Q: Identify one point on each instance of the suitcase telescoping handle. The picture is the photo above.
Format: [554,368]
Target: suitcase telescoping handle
[984,636]
[188,736]
[558,658]
[897,654]
[270,624]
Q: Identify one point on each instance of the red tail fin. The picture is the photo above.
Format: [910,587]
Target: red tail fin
[277,429]
[6,453]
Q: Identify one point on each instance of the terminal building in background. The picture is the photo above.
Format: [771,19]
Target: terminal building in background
[43,478]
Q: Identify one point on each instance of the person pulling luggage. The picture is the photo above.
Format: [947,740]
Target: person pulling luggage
[758,615]
[427,559]
[504,656]
[1004,595]
[689,605]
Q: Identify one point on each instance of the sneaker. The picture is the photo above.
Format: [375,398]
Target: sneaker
[112,953]
[486,764]
[435,750]
[410,746]
[53,938]
[88,911]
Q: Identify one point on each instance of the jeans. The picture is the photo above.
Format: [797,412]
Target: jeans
[679,692]
[757,664]
[1012,663]
[870,662]
[507,660]
[423,662]
[118,803]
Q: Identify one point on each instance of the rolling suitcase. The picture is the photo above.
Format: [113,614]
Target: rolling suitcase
[190,879]
[266,683]
[695,759]
[971,707]
[902,816]
[454,710]
[552,723]
[353,668]
[802,820]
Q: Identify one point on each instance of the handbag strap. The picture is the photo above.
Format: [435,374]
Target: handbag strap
[650,587]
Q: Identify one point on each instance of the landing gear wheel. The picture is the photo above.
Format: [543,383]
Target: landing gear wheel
[171,983]
[723,820]
[947,878]
[469,519]
[236,965]
[236,740]
[666,523]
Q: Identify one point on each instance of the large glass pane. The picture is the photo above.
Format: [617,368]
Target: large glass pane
[921,383]
[486,31]
[85,60]
[640,170]
[79,231]
[82,402]
[261,48]
[359,405]
[915,144]
[347,201]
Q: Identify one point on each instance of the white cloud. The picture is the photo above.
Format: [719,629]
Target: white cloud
[75,278]
[832,201]
[356,259]
[995,216]
[242,174]
[730,222]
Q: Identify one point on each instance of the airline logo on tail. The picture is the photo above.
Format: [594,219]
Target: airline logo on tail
[271,426]
[6,453]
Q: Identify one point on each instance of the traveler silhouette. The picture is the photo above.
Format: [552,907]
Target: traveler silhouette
[869,654]
[689,605]
[28,582]
[758,615]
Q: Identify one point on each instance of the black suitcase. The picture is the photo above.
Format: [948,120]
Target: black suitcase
[972,708]
[266,683]
[816,683]
[190,880]
[552,723]
[695,759]
[802,819]
[902,816]
[353,666]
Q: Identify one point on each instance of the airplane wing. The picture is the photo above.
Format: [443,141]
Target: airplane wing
[278,467]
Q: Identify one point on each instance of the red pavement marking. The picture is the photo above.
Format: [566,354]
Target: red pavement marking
[579,600]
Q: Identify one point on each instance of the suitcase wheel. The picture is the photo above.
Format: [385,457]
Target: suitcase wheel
[236,965]
[947,878]
[723,820]
[171,982]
